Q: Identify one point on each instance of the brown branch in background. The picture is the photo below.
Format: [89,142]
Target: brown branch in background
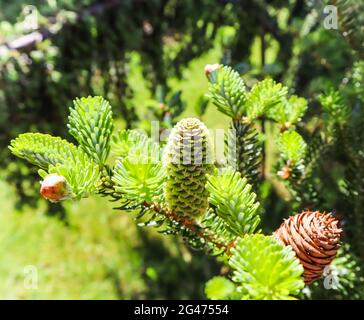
[37,36]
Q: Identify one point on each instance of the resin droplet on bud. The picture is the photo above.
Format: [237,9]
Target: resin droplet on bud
[55,188]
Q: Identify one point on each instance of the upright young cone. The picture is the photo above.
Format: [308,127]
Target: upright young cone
[315,238]
[187,159]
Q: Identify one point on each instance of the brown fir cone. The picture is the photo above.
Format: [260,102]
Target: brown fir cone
[315,237]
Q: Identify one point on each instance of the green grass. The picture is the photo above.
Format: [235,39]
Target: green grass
[93,257]
[99,253]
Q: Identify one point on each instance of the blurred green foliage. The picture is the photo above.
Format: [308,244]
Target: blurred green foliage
[147,59]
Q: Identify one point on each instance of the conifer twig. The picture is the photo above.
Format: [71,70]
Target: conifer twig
[189,224]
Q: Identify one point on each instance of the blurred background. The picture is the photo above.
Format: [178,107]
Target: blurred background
[147,58]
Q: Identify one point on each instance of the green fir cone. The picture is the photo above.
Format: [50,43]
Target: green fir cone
[187,159]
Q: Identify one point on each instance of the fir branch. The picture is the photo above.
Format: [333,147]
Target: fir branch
[264,269]
[189,224]
[263,96]
[292,146]
[234,202]
[82,174]
[217,225]
[136,181]
[221,288]
[91,123]
[168,221]
[43,150]
[336,111]
[227,92]
[244,150]
[288,112]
